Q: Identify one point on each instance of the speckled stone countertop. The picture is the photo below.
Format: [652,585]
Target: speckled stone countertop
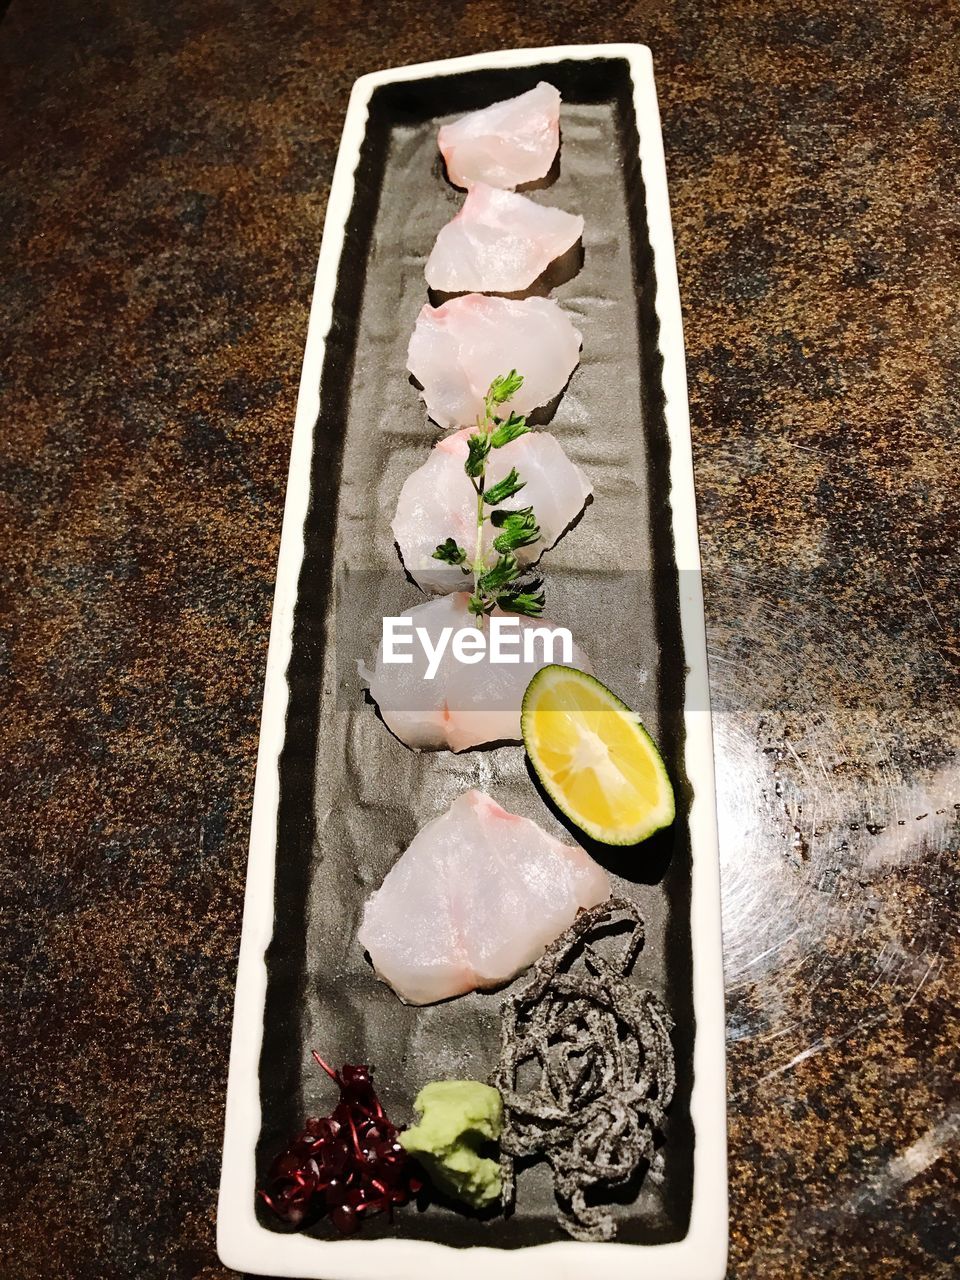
[165,169]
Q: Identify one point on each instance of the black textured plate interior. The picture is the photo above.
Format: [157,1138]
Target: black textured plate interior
[352,797]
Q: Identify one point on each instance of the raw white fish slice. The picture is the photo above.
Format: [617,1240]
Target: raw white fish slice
[458,349]
[464,705]
[505,144]
[499,242]
[478,896]
[438,501]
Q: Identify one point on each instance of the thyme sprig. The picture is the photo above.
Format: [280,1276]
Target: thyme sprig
[498,583]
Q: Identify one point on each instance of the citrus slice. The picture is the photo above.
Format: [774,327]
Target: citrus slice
[594,757]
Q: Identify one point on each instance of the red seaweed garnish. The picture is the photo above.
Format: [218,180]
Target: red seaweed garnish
[348,1165]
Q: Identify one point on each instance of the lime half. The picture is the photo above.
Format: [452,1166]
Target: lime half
[594,757]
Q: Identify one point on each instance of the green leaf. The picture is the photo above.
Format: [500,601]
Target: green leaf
[505,488]
[508,429]
[479,447]
[504,388]
[520,529]
[500,518]
[529,602]
[503,572]
[478,605]
[450,552]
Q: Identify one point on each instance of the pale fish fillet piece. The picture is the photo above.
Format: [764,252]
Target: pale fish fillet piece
[476,898]
[464,705]
[458,349]
[499,242]
[505,144]
[438,501]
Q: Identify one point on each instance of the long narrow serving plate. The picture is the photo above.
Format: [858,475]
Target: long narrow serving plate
[337,798]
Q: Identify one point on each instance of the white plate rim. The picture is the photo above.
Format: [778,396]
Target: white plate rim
[242,1243]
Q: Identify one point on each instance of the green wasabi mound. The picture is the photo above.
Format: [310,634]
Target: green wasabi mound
[456,1118]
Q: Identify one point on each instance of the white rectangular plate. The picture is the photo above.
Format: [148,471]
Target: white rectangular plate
[700,1254]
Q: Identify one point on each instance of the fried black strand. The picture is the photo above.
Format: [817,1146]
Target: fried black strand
[599,1050]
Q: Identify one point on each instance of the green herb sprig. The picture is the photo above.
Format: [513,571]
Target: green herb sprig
[498,583]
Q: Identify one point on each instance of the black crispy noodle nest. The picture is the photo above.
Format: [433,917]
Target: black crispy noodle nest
[602,1048]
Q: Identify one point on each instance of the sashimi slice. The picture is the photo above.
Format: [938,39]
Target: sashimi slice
[438,501]
[478,896]
[505,144]
[464,705]
[499,242]
[458,349]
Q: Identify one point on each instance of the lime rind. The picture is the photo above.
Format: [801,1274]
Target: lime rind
[658,817]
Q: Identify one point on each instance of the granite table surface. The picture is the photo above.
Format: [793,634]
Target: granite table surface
[165,171]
